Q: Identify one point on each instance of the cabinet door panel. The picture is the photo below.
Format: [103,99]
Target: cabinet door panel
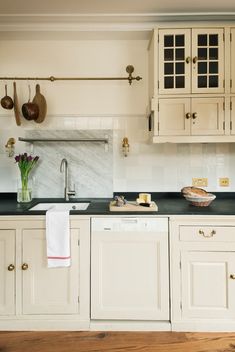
[233,60]
[233,115]
[207,116]
[7,278]
[129,276]
[207,290]
[207,60]
[173,117]
[48,290]
[174,68]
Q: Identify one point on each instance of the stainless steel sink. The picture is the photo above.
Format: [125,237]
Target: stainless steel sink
[61,206]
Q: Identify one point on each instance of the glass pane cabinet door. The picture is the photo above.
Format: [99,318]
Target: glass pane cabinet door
[174,61]
[207,61]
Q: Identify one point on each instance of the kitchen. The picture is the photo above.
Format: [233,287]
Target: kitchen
[66,45]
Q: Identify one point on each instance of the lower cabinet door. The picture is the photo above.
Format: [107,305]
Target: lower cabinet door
[48,290]
[129,276]
[208,291]
[7,272]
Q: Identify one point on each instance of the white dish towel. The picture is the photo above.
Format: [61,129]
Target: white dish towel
[58,238]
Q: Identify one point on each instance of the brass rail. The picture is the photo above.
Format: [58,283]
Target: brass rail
[129,70]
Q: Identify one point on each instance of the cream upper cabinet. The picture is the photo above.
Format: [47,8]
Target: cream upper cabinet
[232,60]
[7,271]
[191,61]
[191,116]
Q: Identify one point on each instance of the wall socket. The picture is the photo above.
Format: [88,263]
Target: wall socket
[224,181]
[200,182]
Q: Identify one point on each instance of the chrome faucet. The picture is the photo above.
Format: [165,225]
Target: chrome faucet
[64,168]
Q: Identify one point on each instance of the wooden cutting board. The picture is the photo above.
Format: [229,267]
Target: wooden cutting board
[133,207]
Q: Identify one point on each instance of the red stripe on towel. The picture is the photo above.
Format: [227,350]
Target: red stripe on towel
[58,257]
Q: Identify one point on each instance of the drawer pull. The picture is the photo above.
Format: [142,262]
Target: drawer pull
[211,234]
[232,276]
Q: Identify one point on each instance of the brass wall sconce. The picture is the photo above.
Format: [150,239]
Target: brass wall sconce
[125,146]
[10,147]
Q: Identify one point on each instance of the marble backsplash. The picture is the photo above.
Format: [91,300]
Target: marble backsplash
[90,163]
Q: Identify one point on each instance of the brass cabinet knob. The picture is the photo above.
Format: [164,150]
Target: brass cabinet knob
[194,115]
[188,115]
[24,266]
[188,59]
[11,267]
[232,276]
[195,59]
[211,234]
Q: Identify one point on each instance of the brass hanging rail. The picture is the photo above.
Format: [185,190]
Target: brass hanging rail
[129,70]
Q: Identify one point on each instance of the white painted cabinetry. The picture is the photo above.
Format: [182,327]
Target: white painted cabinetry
[129,270]
[33,295]
[191,71]
[203,273]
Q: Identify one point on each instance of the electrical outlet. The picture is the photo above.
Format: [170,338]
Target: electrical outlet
[200,182]
[224,181]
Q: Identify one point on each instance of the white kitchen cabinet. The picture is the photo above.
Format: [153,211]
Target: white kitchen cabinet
[34,294]
[203,273]
[190,116]
[191,60]
[129,273]
[7,272]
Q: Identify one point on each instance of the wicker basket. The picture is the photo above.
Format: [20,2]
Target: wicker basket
[200,201]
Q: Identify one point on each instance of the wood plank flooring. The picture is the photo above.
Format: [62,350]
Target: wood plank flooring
[116,342]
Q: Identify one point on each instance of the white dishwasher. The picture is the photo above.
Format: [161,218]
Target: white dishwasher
[129,268]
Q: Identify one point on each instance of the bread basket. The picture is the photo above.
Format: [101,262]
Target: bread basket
[200,201]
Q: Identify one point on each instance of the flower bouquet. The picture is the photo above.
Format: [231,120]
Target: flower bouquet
[26,163]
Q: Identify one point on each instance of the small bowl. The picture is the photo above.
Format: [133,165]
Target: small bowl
[200,201]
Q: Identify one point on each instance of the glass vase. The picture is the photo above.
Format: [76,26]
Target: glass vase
[24,192]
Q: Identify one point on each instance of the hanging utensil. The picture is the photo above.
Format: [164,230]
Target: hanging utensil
[30,110]
[40,100]
[7,102]
[16,105]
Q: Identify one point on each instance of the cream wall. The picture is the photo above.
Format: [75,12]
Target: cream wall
[114,105]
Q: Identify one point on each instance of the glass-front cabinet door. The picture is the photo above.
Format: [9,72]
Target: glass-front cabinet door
[207,60]
[174,61]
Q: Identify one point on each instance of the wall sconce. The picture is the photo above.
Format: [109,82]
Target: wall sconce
[10,147]
[125,146]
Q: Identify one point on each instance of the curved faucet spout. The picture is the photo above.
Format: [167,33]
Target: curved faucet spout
[64,168]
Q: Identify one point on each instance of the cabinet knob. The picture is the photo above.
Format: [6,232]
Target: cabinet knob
[195,59]
[188,115]
[194,115]
[232,276]
[11,267]
[24,266]
[211,234]
[188,59]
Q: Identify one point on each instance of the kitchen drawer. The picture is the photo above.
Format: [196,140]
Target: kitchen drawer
[207,233]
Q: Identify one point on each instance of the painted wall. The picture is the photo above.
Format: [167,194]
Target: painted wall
[111,105]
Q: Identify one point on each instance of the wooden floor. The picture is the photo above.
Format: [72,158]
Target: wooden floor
[116,342]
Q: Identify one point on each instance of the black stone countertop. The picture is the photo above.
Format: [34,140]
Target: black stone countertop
[168,204]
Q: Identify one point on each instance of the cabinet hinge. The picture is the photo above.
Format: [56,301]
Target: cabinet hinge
[231,83]
[78,299]
[223,37]
[223,83]
[231,105]
[223,125]
[158,84]
[78,243]
[231,125]
[231,37]
[180,305]
[158,38]
[180,264]
[158,126]
[223,105]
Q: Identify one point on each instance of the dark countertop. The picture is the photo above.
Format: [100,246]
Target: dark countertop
[168,204]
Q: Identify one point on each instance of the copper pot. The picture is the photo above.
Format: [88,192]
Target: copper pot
[7,102]
[30,110]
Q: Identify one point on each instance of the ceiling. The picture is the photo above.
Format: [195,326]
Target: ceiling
[114,6]
[28,18]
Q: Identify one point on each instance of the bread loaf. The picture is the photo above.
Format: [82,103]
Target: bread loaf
[194,191]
